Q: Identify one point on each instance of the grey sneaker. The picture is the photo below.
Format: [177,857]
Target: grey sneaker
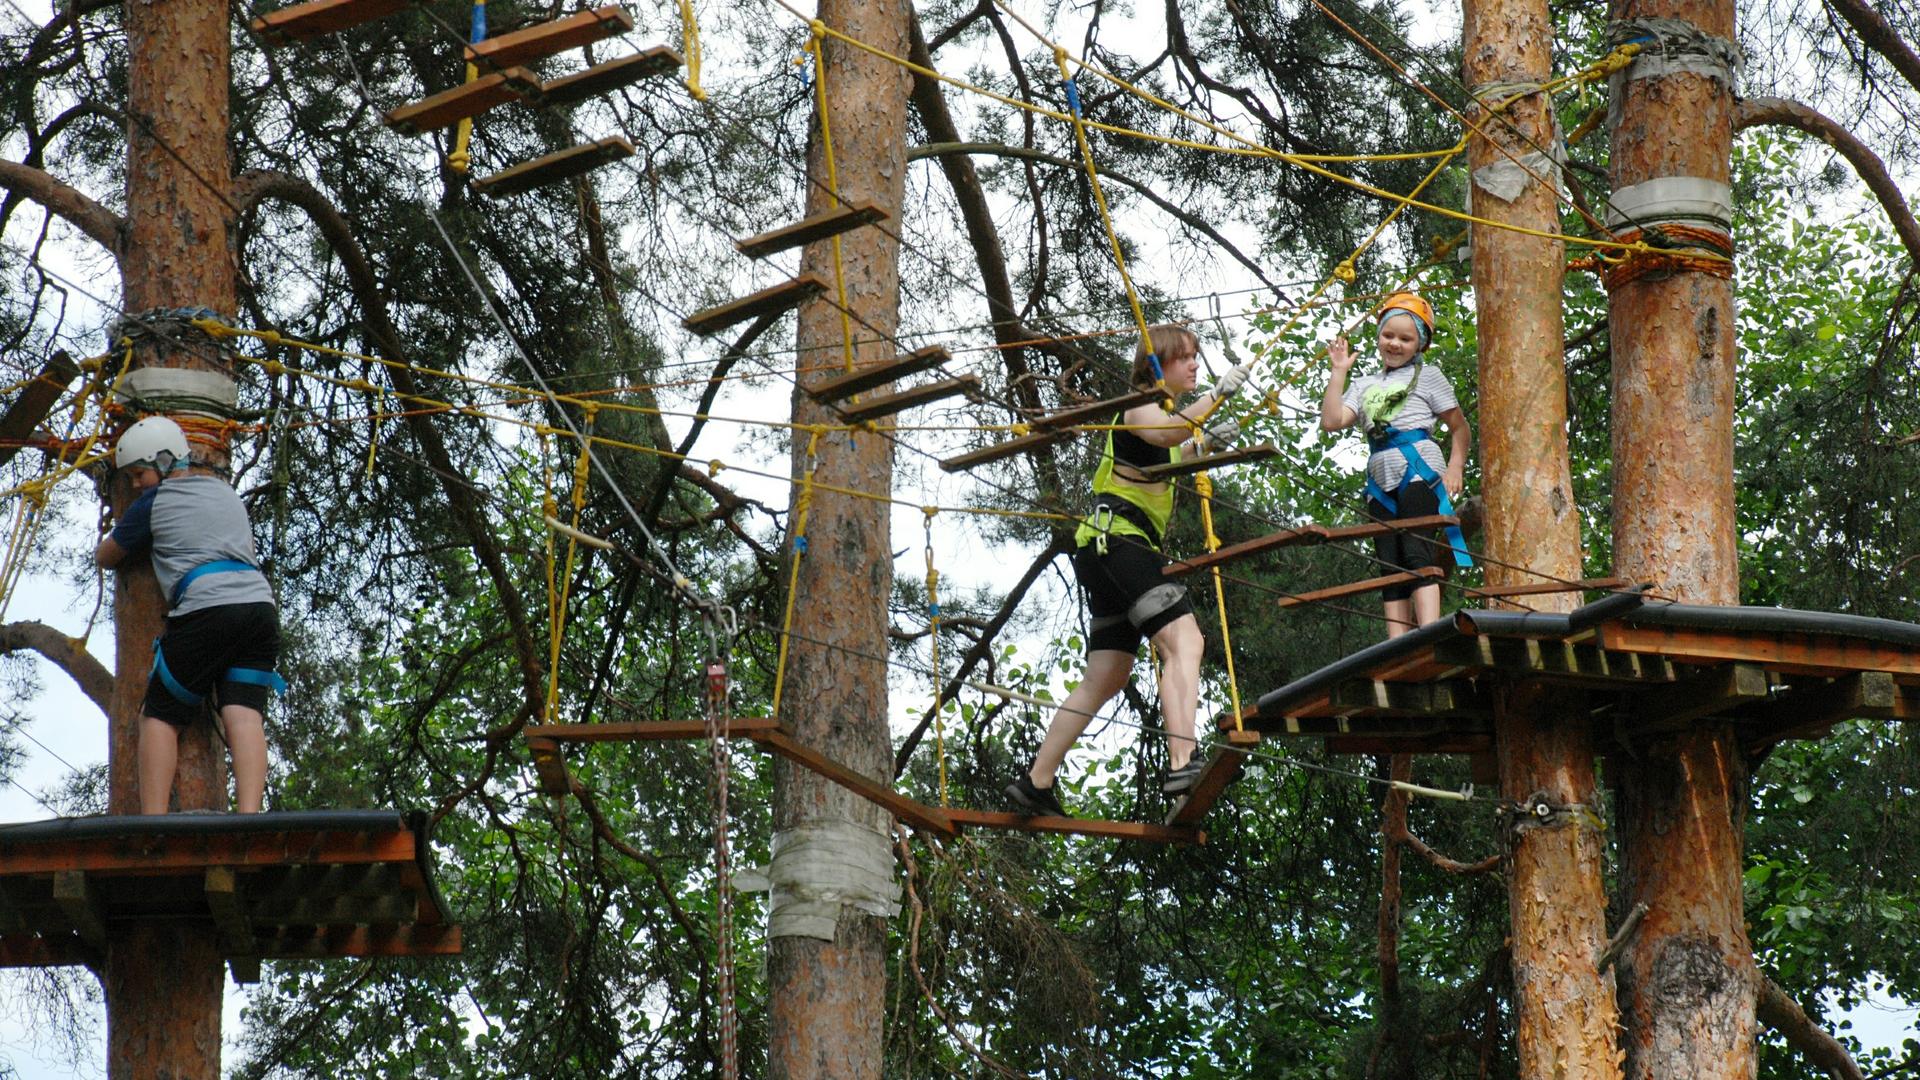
[1181,780]
[1033,799]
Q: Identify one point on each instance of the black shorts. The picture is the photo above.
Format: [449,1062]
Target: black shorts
[1127,595]
[201,646]
[1409,550]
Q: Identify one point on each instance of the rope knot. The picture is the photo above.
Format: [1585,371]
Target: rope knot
[1344,272]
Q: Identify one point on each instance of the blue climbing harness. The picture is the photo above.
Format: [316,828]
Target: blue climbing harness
[1417,469]
[252,676]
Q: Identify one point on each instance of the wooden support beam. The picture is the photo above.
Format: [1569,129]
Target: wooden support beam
[549,766]
[302,22]
[407,940]
[907,810]
[1097,412]
[740,727]
[395,908]
[555,167]
[1799,652]
[821,226]
[604,78]
[861,380]
[11,921]
[230,924]
[1534,588]
[777,298]
[1123,830]
[550,38]
[1223,768]
[80,907]
[44,951]
[1714,691]
[195,853]
[1004,449]
[1425,573]
[35,403]
[1204,462]
[1304,534]
[888,404]
[1557,662]
[463,102]
[1373,697]
[1809,710]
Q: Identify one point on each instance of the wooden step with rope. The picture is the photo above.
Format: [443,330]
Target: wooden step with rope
[550,38]
[1097,412]
[463,102]
[1496,592]
[1305,534]
[821,226]
[1422,576]
[607,77]
[303,22]
[555,167]
[1224,766]
[1205,462]
[888,404]
[863,379]
[769,301]
[1005,449]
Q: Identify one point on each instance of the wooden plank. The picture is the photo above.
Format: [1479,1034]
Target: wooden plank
[1809,711]
[1047,823]
[302,22]
[1098,412]
[399,907]
[740,727]
[196,853]
[1204,462]
[230,925]
[35,403]
[907,810]
[555,167]
[1223,768]
[996,452]
[550,38]
[549,766]
[821,226]
[781,297]
[888,404]
[1555,662]
[1816,653]
[1374,697]
[1367,530]
[1582,585]
[861,380]
[406,940]
[1714,691]
[463,102]
[43,951]
[1425,573]
[609,76]
[1305,534]
[80,907]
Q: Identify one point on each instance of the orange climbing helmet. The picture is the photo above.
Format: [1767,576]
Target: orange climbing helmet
[1410,304]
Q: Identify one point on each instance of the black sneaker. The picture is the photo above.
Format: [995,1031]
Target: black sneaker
[1181,780]
[1033,799]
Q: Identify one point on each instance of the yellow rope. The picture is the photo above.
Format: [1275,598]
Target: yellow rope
[933,631]
[690,48]
[582,479]
[459,159]
[801,507]
[818,29]
[1203,485]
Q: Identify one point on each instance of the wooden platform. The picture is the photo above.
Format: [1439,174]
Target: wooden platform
[1221,460]
[1005,449]
[888,404]
[861,380]
[273,886]
[555,167]
[1098,412]
[1304,534]
[302,22]
[1648,671]
[822,226]
[35,403]
[604,78]
[467,100]
[781,297]
[550,38]
[946,821]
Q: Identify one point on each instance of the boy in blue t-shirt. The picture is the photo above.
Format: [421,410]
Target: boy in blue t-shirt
[223,629]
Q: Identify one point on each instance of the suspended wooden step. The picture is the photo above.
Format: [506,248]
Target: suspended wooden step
[555,167]
[34,403]
[888,404]
[864,379]
[550,38]
[467,100]
[1304,534]
[1223,768]
[1423,575]
[1097,412]
[997,451]
[550,766]
[302,22]
[1582,585]
[820,226]
[1204,462]
[610,76]
[781,297]
[740,727]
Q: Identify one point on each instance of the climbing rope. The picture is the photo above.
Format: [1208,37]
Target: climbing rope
[933,632]
[802,506]
[816,32]
[690,49]
[459,159]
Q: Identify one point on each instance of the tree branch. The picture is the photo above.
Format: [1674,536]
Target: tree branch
[1784,1015]
[66,654]
[101,225]
[1780,112]
[1879,35]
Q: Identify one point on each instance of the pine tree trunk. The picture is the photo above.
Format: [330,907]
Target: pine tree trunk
[828,996]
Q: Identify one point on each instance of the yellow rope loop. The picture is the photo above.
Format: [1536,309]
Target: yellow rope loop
[1344,272]
[215,328]
[802,504]
[690,49]
[714,467]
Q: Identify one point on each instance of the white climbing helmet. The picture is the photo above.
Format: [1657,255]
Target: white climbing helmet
[155,443]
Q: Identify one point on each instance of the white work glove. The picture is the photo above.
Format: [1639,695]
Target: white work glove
[1221,433]
[1232,381]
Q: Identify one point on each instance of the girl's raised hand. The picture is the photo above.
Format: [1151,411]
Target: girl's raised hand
[1340,356]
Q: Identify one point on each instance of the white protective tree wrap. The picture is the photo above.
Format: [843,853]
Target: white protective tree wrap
[819,868]
[1689,200]
[180,390]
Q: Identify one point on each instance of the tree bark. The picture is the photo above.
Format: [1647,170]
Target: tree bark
[1564,1010]
[101,225]
[1780,112]
[827,997]
[1784,1015]
[1687,977]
